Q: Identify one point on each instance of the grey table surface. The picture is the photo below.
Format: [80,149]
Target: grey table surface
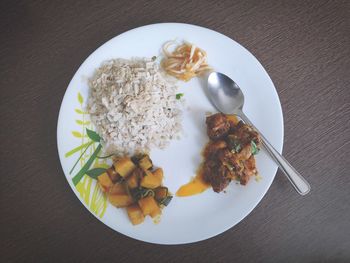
[304,46]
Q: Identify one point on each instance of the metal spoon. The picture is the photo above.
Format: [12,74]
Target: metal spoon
[228,98]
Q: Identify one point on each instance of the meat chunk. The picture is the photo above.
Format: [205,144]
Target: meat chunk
[245,153]
[217,175]
[220,180]
[247,134]
[213,147]
[250,166]
[249,170]
[217,126]
[233,121]
[225,156]
[209,167]
[243,179]
[230,160]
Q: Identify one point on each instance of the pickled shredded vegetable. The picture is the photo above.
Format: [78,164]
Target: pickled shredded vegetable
[185,62]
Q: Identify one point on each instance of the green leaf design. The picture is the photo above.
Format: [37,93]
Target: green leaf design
[80,157]
[79,111]
[94,173]
[76,179]
[77,134]
[80,98]
[73,151]
[82,122]
[93,135]
[98,202]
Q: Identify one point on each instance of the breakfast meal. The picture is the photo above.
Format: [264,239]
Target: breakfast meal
[133,183]
[132,106]
[135,108]
[230,153]
[185,62]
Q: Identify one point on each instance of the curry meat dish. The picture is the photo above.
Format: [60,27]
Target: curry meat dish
[229,156]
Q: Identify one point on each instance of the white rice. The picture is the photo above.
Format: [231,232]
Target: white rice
[133,107]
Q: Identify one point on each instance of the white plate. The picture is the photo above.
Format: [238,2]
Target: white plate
[188,219]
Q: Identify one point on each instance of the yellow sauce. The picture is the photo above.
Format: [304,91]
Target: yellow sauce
[198,185]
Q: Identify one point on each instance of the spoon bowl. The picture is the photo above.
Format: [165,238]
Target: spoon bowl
[225,94]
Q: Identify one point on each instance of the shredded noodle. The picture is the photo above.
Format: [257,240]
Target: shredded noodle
[185,62]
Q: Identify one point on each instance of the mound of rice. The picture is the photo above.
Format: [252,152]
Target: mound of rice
[133,107]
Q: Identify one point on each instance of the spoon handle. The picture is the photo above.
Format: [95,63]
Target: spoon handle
[299,183]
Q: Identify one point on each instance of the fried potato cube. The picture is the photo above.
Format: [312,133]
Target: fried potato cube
[135,214]
[113,174]
[120,200]
[161,193]
[105,182]
[151,180]
[124,166]
[145,163]
[159,174]
[149,206]
[117,189]
[156,212]
[133,180]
